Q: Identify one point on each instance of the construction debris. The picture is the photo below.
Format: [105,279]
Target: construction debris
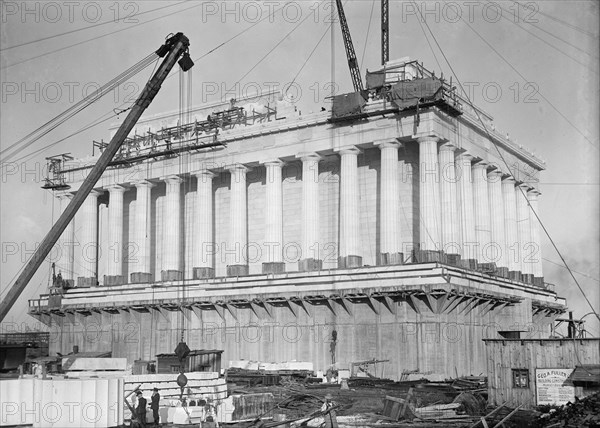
[581,413]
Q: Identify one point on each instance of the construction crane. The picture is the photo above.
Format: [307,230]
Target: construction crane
[350,54]
[174,50]
[385,28]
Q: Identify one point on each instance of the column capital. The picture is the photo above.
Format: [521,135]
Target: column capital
[465,156]
[534,192]
[64,194]
[495,173]
[308,156]
[172,179]
[448,147]
[237,167]
[115,188]
[350,150]
[143,183]
[203,173]
[508,178]
[427,138]
[388,142]
[274,161]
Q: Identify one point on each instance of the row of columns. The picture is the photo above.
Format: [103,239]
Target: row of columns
[464,218]
[475,216]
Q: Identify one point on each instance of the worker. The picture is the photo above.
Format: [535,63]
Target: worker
[140,410]
[154,406]
[329,412]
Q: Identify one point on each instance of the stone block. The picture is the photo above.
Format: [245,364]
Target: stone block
[171,275]
[489,268]
[385,259]
[111,280]
[427,256]
[527,278]
[141,278]
[310,265]
[453,259]
[468,264]
[85,282]
[273,267]
[349,262]
[514,275]
[203,273]
[538,281]
[237,270]
[502,272]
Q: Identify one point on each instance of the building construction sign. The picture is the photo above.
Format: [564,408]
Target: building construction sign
[553,387]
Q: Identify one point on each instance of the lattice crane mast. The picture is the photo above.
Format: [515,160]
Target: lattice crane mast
[350,54]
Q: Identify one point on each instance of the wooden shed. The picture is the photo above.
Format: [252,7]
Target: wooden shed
[200,360]
[532,372]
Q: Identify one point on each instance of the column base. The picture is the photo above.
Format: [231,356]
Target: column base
[427,256]
[203,273]
[385,259]
[237,270]
[349,262]
[514,275]
[86,282]
[141,278]
[489,268]
[502,272]
[527,278]
[452,259]
[468,264]
[171,275]
[310,265]
[538,281]
[273,267]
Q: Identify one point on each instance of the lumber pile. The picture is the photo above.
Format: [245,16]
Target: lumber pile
[581,413]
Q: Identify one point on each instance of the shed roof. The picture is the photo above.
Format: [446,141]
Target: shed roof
[586,373]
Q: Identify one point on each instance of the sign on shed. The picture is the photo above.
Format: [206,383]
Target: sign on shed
[553,387]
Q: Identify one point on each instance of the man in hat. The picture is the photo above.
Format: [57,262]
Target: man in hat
[140,410]
[329,412]
[154,406]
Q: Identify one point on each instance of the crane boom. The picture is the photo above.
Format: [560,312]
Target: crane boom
[174,47]
[350,54]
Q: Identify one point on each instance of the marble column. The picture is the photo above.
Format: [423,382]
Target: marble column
[512,252]
[535,250]
[66,265]
[89,241]
[466,211]
[311,259]
[349,255]
[238,240]
[390,247]
[274,218]
[140,266]
[448,196]
[429,198]
[171,236]
[204,245]
[114,260]
[481,205]
[497,248]
[524,248]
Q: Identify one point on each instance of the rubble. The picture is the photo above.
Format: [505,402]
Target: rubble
[581,413]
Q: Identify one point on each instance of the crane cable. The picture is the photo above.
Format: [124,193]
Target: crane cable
[53,123]
[507,166]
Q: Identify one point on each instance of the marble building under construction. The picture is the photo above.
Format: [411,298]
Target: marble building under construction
[388,227]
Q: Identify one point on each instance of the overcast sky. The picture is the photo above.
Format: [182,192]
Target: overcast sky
[541,87]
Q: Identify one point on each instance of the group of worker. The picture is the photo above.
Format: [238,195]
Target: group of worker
[140,410]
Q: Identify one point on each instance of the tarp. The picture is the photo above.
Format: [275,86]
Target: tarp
[409,93]
[347,104]
[375,79]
